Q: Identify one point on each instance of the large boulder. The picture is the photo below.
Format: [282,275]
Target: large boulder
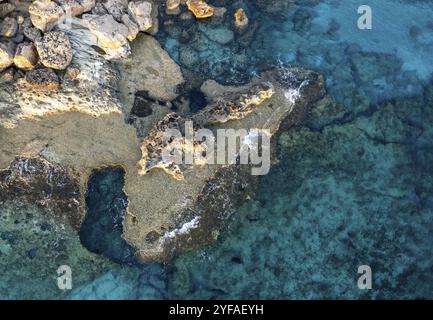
[45,14]
[54,50]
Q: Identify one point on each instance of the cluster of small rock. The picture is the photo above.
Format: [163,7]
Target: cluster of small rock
[35,40]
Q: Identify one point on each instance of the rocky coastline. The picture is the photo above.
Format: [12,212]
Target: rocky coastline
[84,86]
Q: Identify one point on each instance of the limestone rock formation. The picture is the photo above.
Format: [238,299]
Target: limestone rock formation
[45,14]
[54,50]
[200,9]
[26,56]
[141,11]
[111,35]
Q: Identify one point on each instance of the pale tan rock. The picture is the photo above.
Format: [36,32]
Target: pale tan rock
[45,14]
[54,50]
[132,27]
[7,50]
[159,76]
[112,36]
[9,27]
[42,79]
[141,11]
[241,19]
[26,56]
[200,9]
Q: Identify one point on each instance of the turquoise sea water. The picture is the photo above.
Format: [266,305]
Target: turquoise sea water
[353,187]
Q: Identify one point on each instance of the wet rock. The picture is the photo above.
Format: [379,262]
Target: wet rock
[38,181]
[9,27]
[141,11]
[26,56]
[200,9]
[45,14]
[42,79]
[7,50]
[54,50]
[112,35]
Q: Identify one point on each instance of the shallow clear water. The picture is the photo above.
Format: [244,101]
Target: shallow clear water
[353,187]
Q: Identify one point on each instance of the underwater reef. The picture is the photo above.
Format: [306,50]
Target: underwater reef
[88,88]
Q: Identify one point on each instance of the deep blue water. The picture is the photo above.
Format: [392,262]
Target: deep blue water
[353,187]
